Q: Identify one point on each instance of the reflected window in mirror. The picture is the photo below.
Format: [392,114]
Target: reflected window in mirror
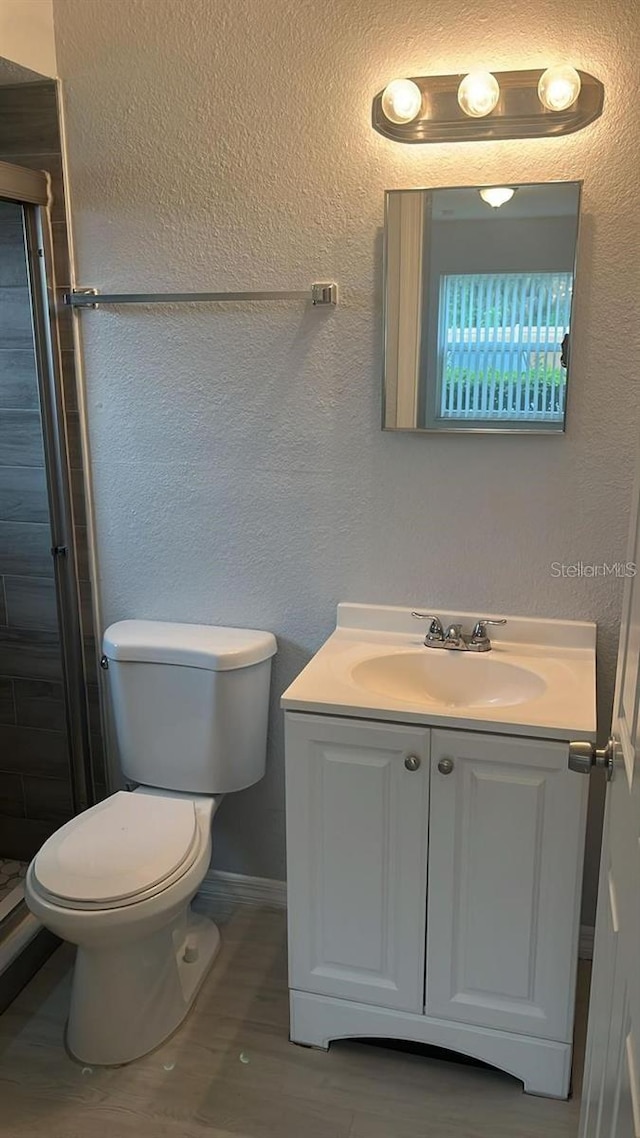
[478,307]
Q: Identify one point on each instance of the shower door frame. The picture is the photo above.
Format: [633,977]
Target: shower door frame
[31,190]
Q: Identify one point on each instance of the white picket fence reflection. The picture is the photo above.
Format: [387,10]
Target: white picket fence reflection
[499,345]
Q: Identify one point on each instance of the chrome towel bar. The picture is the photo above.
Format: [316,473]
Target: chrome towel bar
[318,294]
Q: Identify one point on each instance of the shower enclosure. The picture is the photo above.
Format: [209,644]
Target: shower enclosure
[47,770]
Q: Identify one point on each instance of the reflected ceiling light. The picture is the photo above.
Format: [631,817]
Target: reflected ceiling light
[401,100]
[559,87]
[478,94]
[495,196]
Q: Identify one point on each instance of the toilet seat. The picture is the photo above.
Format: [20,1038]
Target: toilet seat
[125,849]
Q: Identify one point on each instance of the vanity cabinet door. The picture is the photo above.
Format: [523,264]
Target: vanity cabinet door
[505,868]
[357,816]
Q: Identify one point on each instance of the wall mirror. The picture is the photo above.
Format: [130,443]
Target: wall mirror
[478,304]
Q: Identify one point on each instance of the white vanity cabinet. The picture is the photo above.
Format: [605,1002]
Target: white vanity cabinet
[433,890]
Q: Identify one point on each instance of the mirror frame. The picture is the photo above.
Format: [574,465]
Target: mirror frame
[545,431]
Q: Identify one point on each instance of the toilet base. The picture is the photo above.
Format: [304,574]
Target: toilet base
[127,1000]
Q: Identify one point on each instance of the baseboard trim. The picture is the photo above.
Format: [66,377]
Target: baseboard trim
[585,947]
[244,890]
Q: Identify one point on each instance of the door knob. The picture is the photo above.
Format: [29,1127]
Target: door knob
[445,766]
[584,756]
[412,762]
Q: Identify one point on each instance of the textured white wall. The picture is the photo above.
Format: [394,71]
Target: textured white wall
[26,34]
[240,473]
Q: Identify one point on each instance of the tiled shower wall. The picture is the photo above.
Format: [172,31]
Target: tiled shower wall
[35,784]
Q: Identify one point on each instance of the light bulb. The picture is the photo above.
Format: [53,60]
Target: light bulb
[495,196]
[478,94]
[559,87]
[401,100]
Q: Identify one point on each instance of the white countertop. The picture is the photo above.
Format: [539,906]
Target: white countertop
[561,653]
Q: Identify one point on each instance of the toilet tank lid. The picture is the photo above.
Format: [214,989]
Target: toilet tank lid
[205,646]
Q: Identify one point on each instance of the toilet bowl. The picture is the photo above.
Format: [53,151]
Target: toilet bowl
[142,953]
[190,711]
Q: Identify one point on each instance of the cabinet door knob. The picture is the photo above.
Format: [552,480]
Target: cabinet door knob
[445,766]
[412,762]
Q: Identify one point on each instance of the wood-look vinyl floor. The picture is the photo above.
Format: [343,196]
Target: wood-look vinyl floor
[231,1071]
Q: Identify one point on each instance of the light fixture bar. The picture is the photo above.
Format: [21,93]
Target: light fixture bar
[519,112]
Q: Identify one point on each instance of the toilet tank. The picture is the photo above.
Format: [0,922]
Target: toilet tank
[190,703]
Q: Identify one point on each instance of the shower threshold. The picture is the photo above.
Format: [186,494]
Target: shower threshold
[24,944]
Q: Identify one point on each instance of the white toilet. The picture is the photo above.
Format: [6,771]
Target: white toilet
[190,708]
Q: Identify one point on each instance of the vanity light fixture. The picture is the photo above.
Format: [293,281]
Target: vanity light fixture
[478,94]
[482,105]
[495,196]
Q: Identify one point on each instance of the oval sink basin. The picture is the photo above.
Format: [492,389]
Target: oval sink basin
[452,679]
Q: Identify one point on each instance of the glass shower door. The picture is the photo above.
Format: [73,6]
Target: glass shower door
[45,768]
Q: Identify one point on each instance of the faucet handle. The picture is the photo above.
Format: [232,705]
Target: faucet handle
[480,627]
[436,631]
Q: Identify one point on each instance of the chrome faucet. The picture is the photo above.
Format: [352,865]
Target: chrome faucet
[454,638]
